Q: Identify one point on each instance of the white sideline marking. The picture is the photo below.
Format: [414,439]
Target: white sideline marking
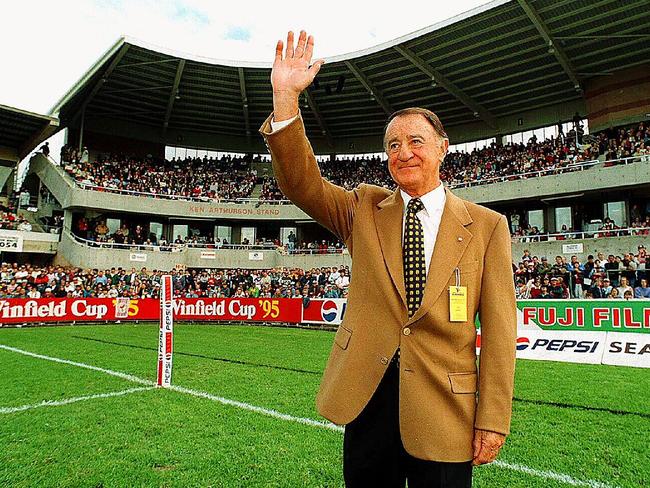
[67,401]
[256,409]
[124,376]
[552,475]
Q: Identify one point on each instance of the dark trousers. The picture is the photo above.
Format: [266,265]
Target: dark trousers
[373,453]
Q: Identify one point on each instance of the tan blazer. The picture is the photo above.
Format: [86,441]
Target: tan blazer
[438,371]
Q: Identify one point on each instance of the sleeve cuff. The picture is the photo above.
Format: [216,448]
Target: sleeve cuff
[276,126]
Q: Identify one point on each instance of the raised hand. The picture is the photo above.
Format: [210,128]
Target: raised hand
[291,74]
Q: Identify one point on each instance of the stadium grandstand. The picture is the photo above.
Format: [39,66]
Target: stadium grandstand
[163,165]
[161,205]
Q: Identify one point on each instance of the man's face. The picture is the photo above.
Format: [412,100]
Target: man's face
[415,152]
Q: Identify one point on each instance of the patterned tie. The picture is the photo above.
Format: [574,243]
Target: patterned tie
[415,270]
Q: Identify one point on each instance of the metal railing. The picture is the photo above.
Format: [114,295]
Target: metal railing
[571,167]
[342,250]
[185,198]
[587,234]
[48,229]
[177,247]
[171,247]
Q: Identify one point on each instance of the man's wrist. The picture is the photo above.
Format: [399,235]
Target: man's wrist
[285,105]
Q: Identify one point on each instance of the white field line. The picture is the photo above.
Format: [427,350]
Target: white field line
[67,401]
[124,376]
[253,408]
[550,475]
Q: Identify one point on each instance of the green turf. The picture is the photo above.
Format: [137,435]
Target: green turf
[591,423]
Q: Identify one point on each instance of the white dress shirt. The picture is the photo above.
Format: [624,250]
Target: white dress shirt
[275,126]
[434,204]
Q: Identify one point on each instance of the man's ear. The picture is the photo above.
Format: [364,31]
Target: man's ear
[444,145]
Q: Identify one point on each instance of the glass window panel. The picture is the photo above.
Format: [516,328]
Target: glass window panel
[248,233]
[156,228]
[223,233]
[284,234]
[180,230]
[536,219]
[616,212]
[113,225]
[563,218]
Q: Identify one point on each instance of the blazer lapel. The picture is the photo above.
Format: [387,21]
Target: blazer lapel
[451,242]
[388,220]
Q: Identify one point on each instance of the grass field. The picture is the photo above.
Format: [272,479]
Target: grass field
[573,425]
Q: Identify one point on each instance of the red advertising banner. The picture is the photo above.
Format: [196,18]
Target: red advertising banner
[20,311]
[245,309]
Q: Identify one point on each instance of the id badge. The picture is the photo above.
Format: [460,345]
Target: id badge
[457,301]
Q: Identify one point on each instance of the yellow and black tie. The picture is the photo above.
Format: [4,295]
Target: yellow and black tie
[415,270]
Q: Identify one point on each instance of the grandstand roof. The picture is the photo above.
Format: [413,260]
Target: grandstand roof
[481,67]
[22,131]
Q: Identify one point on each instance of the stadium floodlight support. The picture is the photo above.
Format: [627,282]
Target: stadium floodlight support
[82,111]
[173,95]
[244,101]
[375,92]
[438,78]
[554,48]
[321,122]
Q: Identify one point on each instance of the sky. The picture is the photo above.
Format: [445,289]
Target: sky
[46,46]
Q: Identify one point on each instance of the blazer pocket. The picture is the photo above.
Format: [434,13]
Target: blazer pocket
[468,266]
[342,337]
[463,382]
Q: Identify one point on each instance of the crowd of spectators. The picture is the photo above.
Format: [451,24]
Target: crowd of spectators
[621,277]
[28,281]
[230,177]
[226,178]
[9,220]
[494,162]
[598,277]
[620,143]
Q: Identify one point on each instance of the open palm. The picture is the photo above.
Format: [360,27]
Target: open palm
[292,73]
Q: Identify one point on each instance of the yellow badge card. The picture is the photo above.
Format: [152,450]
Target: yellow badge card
[458,304]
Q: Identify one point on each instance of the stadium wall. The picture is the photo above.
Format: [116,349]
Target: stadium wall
[81,255]
[596,178]
[71,196]
[620,99]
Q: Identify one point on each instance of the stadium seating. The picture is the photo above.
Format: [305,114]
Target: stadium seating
[230,178]
[29,281]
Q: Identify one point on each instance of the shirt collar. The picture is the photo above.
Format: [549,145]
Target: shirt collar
[433,201]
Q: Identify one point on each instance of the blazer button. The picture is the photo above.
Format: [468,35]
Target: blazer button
[407,331]
[384,360]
